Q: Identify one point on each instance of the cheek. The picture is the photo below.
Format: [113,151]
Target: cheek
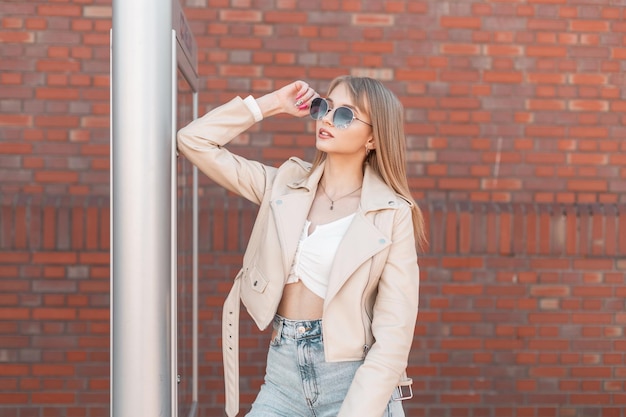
[356,142]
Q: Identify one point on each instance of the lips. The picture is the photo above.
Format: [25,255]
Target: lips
[323,133]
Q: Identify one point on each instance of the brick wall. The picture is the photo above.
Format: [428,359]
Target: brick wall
[54,308]
[506,100]
[521,309]
[515,131]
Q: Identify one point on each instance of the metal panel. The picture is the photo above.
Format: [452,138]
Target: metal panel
[187,55]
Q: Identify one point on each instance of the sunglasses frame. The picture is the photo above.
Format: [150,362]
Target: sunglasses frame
[329,109]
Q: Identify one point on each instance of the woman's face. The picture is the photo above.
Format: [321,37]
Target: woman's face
[350,140]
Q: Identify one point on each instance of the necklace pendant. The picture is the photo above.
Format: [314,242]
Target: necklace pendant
[332,204]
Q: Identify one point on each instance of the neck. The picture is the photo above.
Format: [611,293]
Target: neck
[339,179]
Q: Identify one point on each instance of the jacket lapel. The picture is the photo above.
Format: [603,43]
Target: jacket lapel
[290,212]
[362,239]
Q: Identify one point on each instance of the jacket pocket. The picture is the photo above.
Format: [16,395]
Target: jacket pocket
[256,280]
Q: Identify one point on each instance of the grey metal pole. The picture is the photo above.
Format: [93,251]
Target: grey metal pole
[141,107]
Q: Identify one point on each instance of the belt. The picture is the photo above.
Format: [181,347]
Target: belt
[230,349]
[403,390]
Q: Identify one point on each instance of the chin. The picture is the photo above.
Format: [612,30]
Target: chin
[321,145]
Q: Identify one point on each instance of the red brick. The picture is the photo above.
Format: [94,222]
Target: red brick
[54,314]
[53,398]
[14,313]
[373,19]
[17,37]
[54,258]
[240,15]
[14,120]
[587,185]
[589,132]
[459,22]
[52,370]
[545,131]
[589,26]
[240,43]
[591,79]
[502,77]
[546,51]
[13,398]
[458,183]
[93,314]
[588,105]
[460,49]
[373,47]
[588,159]
[539,104]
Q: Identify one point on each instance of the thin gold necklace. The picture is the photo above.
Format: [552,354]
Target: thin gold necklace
[332,202]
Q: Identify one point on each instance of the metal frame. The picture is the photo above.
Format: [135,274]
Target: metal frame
[182,62]
[185,52]
[194,395]
[174,241]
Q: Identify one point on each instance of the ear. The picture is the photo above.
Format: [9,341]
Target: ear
[371,143]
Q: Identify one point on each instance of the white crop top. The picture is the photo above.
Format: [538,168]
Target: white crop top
[315,254]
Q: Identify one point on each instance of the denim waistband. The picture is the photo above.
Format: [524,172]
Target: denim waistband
[297,329]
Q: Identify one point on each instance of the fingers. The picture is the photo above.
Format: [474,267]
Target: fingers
[304,96]
[295,98]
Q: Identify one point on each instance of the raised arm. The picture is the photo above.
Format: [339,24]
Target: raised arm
[202,141]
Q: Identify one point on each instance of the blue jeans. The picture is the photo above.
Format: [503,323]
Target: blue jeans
[298,381]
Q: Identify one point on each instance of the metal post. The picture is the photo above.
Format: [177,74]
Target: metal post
[141,107]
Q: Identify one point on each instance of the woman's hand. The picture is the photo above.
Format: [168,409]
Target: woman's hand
[294,99]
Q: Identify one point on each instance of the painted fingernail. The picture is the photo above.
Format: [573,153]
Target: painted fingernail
[304,106]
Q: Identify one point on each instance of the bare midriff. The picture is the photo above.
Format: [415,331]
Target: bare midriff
[300,303]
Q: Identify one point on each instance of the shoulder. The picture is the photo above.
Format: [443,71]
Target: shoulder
[296,163]
[378,195]
[294,167]
[291,173]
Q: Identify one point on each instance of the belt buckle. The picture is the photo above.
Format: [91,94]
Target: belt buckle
[403,390]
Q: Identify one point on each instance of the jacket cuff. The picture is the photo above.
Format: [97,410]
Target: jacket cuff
[254,108]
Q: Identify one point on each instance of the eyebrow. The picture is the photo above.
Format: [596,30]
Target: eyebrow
[344,105]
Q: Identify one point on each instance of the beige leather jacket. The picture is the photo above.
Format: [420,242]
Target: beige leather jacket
[371,304]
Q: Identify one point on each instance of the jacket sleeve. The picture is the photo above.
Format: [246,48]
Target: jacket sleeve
[393,326]
[202,141]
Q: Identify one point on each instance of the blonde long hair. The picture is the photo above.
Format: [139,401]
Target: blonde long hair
[388,159]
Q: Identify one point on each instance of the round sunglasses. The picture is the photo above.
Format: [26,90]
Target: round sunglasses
[342,117]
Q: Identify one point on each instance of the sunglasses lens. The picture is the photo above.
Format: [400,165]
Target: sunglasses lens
[319,108]
[343,117]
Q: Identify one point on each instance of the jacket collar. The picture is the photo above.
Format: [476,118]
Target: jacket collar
[375,194]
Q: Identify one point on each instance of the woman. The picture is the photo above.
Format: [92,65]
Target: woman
[331,262]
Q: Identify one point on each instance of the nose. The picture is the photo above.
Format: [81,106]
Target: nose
[328,118]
